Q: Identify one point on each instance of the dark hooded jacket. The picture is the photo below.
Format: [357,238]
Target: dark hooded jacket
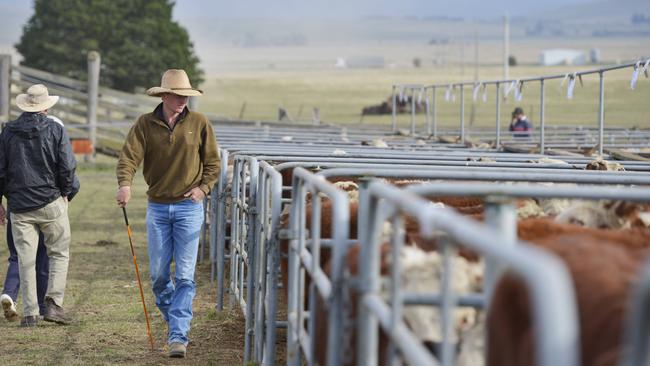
[37,164]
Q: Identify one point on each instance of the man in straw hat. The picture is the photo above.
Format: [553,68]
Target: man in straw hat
[37,174]
[181,164]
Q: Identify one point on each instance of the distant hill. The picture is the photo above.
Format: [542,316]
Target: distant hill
[608,11]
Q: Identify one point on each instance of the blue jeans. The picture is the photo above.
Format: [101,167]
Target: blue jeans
[173,232]
[12,281]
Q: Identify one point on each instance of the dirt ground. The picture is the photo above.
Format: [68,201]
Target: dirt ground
[103,297]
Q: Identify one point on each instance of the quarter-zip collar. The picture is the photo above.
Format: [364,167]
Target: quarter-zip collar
[158,113]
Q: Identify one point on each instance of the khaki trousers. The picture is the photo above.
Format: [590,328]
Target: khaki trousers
[52,221]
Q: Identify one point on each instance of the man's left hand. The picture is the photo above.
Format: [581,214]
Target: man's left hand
[195,194]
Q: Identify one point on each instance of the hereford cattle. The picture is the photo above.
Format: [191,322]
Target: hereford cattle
[599,214]
[423,257]
[600,164]
[467,206]
[624,245]
[421,272]
[603,265]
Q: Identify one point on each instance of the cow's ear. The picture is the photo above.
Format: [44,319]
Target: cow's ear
[624,208]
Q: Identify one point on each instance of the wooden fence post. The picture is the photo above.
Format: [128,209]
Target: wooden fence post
[94,62]
[5,87]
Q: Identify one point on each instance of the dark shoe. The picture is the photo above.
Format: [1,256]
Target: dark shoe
[54,313]
[9,308]
[29,321]
[177,350]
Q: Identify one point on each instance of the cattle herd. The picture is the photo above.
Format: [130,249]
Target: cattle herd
[354,245]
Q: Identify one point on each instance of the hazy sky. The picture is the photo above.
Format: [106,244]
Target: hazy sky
[360,8]
[20,10]
[198,15]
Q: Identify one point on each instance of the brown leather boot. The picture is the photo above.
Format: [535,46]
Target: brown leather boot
[177,350]
[29,321]
[54,313]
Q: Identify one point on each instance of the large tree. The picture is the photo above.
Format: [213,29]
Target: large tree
[137,40]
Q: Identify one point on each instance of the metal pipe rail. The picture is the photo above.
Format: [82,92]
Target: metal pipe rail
[567,142]
[554,309]
[514,83]
[244,200]
[483,174]
[638,324]
[269,202]
[584,136]
[255,212]
[218,228]
[243,242]
[441,158]
[637,334]
[342,136]
[539,167]
[493,190]
[591,176]
[525,191]
[304,259]
[440,154]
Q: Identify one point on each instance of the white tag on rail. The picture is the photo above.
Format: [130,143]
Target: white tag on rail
[572,84]
[635,75]
[518,91]
[477,86]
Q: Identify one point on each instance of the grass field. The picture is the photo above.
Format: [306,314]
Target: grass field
[102,294]
[341,95]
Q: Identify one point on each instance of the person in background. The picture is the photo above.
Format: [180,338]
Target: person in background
[178,149]
[520,126]
[37,170]
[12,279]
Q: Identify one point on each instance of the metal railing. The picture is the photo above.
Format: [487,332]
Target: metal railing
[218,228]
[243,242]
[304,259]
[548,282]
[269,202]
[429,162]
[637,336]
[399,90]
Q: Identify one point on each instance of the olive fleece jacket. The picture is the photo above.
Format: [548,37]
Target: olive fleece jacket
[175,159]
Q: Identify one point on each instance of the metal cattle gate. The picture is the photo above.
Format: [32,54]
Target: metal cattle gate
[555,175]
[246,212]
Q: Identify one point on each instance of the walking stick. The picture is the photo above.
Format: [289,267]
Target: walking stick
[137,272]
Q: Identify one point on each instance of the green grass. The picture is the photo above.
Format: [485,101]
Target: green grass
[103,297]
[341,94]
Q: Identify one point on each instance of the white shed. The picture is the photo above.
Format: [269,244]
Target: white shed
[560,56]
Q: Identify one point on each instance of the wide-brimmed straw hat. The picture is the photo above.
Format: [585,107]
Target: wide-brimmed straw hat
[37,99]
[174,81]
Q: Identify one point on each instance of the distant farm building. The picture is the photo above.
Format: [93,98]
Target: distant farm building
[360,62]
[562,57]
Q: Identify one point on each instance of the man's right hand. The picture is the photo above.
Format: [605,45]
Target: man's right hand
[123,195]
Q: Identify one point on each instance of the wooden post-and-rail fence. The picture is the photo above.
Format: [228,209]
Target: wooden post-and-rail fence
[94,116]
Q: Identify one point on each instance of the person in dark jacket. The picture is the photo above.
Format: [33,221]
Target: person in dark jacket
[520,126]
[37,169]
[12,279]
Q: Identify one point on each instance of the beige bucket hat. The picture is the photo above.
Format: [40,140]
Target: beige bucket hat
[174,81]
[37,99]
